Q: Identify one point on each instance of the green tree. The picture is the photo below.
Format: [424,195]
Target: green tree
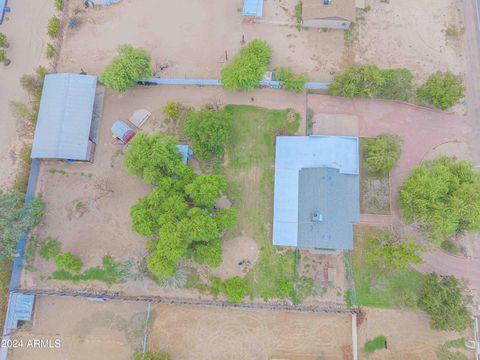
[442,90]
[172,110]
[67,262]
[153,157]
[382,153]
[149,355]
[444,299]
[130,66]
[15,220]
[209,131]
[248,67]
[205,190]
[388,252]
[53,27]
[235,289]
[295,83]
[443,196]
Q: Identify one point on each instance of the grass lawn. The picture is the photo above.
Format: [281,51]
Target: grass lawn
[5,271]
[378,288]
[250,173]
[375,344]
[374,191]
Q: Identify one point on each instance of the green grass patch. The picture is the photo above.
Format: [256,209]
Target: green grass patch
[374,190]
[375,344]
[110,272]
[5,272]
[250,173]
[377,287]
[50,248]
[450,350]
[450,246]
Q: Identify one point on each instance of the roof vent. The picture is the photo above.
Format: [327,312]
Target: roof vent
[317,217]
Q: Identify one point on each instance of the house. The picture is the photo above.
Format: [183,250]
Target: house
[335,14]
[253,8]
[68,118]
[316,199]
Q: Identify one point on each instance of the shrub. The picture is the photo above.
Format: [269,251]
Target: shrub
[295,83]
[444,299]
[22,111]
[388,252]
[450,246]
[172,110]
[248,67]
[375,344]
[59,5]
[443,196]
[3,41]
[50,248]
[235,289]
[68,262]
[298,13]
[53,27]
[370,81]
[152,356]
[216,285]
[50,51]
[382,153]
[442,90]
[130,66]
[209,131]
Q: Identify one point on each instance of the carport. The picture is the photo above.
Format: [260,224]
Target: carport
[64,126]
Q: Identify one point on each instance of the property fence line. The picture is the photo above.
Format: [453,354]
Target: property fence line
[106,296]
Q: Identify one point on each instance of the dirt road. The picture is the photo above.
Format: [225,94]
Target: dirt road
[25,28]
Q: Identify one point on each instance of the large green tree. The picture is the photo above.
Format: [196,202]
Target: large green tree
[209,131]
[248,67]
[442,90]
[130,66]
[153,157]
[382,153]
[388,252]
[205,190]
[15,220]
[443,196]
[444,299]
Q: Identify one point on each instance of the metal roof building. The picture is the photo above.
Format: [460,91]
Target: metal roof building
[316,191]
[65,117]
[253,8]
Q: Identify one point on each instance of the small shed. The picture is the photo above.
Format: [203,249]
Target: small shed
[122,131]
[65,118]
[334,14]
[186,152]
[253,8]
[139,117]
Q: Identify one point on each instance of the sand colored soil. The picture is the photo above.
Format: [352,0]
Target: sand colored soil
[86,330]
[408,334]
[411,34]
[221,334]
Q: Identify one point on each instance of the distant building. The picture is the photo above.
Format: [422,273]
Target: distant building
[316,199]
[335,14]
[67,123]
[253,8]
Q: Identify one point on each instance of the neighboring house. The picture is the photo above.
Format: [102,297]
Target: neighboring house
[67,122]
[253,8]
[335,14]
[316,199]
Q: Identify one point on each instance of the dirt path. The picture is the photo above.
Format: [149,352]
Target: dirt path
[25,28]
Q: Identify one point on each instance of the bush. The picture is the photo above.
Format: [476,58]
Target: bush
[59,5]
[390,253]
[443,196]
[370,81]
[382,153]
[152,356]
[22,111]
[50,51]
[298,13]
[248,67]
[172,110]
[53,27]
[209,131]
[442,90]
[290,81]
[68,262]
[130,66]
[375,344]
[216,285]
[235,289]
[443,298]
[3,41]
[50,248]
[450,246]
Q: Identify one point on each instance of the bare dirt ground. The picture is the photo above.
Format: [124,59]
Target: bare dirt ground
[102,225]
[25,28]
[221,334]
[408,334]
[411,34]
[86,329]
[193,37]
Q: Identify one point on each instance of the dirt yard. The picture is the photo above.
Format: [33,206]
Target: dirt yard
[408,334]
[210,333]
[412,34]
[194,38]
[93,331]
